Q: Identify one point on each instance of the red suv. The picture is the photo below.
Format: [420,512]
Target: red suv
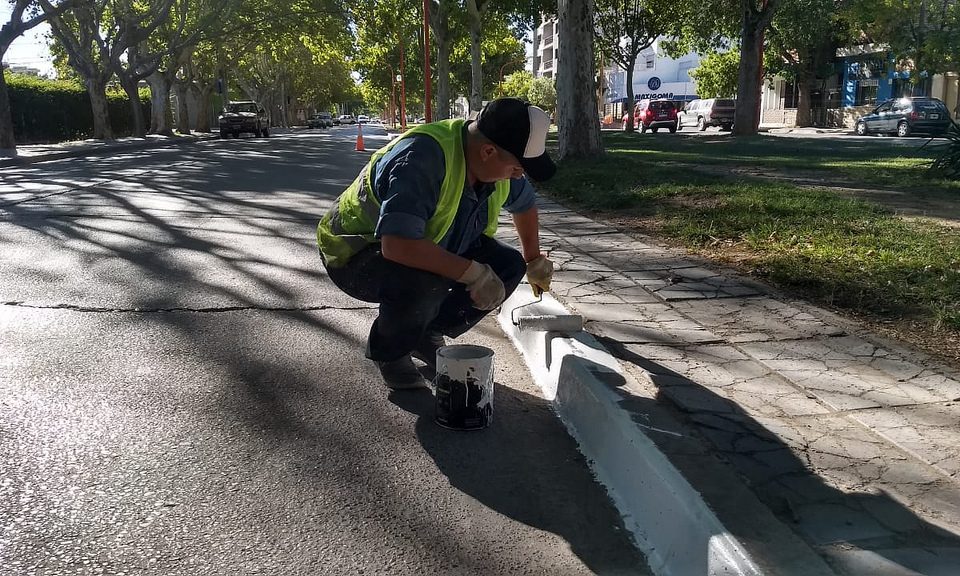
[654,115]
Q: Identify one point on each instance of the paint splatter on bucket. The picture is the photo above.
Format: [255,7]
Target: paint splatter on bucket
[464,387]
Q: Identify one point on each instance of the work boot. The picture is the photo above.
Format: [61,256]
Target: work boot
[400,374]
[426,350]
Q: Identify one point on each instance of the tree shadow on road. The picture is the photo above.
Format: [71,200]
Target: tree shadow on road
[524,482]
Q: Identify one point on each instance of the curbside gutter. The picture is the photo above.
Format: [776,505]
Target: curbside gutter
[670,521]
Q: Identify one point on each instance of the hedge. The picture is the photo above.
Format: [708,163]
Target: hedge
[59,110]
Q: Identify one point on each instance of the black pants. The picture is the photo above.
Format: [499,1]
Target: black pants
[414,301]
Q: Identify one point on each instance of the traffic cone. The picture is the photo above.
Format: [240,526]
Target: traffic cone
[359,147]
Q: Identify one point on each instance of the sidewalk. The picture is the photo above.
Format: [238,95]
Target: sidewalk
[31,153]
[741,431]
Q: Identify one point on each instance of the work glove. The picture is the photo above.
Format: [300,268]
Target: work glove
[485,287]
[539,273]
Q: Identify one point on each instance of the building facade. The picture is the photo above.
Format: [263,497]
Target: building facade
[545,48]
[655,75]
[863,77]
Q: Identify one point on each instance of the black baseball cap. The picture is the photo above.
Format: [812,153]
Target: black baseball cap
[521,129]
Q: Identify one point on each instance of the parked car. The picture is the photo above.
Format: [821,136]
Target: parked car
[320,120]
[347,119]
[708,112]
[363,119]
[905,116]
[243,116]
[654,115]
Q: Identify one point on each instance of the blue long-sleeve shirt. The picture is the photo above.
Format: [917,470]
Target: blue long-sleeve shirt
[407,181]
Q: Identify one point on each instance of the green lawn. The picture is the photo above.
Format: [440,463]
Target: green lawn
[884,163]
[816,242]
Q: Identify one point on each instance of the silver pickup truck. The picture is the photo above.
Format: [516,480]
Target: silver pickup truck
[240,117]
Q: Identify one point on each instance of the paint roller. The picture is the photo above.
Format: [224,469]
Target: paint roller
[545,322]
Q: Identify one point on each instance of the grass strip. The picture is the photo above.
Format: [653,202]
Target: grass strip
[825,247]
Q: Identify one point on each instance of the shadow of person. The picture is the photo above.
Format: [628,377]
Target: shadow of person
[526,467]
[861,529]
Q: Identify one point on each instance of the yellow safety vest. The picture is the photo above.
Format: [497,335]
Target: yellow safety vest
[349,226]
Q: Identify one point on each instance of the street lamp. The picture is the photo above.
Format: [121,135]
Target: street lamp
[504,65]
[394,80]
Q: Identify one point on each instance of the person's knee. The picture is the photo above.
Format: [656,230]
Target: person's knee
[416,290]
[516,267]
[507,263]
[510,268]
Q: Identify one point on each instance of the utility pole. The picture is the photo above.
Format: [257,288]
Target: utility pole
[403,92]
[394,78]
[427,112]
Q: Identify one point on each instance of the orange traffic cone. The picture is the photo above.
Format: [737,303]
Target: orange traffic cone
[359,147]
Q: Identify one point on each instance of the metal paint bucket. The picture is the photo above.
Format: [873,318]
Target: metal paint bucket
[464,387]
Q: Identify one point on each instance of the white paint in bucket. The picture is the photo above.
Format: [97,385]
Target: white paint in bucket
[464,387]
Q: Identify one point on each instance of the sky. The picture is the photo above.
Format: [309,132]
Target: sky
[29,49]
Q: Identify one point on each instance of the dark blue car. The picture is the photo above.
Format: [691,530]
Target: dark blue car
[905,116]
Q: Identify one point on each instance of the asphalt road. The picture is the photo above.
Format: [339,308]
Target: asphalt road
[182,391]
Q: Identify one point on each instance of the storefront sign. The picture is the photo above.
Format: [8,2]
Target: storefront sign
[668,90]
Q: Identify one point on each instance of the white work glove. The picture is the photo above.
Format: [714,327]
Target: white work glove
[539,274]
[485,287]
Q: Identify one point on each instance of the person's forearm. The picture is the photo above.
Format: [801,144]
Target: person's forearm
[527,224]
[423,255]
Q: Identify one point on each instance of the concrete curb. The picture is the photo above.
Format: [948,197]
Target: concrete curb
[670,521]
[96,150]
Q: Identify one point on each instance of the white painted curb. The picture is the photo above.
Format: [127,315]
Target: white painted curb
[670,521]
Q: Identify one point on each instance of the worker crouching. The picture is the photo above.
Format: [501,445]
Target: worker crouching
[415,231]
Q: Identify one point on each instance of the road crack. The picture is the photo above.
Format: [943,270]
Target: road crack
[205,310]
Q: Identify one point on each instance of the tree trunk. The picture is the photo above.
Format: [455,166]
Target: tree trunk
[203,104]
[132,91]
[804,90]
[476,62]
[745,120]
[443,79]
[283,104]
[576,98]
[440,22]
[97,90]
[8,143]
[630,104]
[183,111]
[754,21]
[159,103]
[956,109]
